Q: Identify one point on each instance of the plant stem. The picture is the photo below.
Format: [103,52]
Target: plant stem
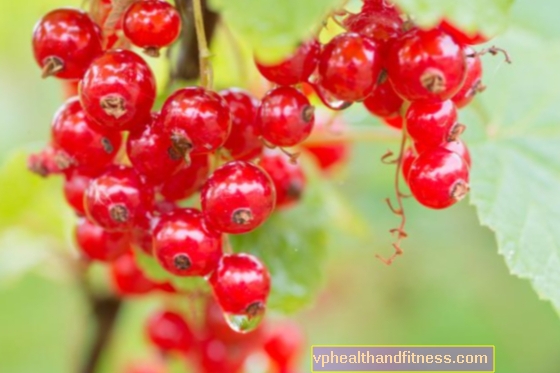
[203,51]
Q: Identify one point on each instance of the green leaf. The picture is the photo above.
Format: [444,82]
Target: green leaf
[274,28]
[516,174]
[488,16]
[155,272]
[293,244]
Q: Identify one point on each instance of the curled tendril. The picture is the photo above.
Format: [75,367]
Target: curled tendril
[493,50]
[387,158]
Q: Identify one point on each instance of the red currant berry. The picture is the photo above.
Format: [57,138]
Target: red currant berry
[378,26]
[49,161]
[128,279]
[409,157]
[197,120]
[185,246]
[430,123]
[473,81]
[97,244]
[65,42]
[334,153]
[243,142]
[459,147]
[439,178]
[426,65]
[89,146]
[216,327]
[237,198]
[152,24]
[350,66]
[75,185]
[286,118]
[283,343]
[296,68]
[395,122]
[117,200]
[188,180]
[152,154]
[241,284]
[118,91]
[384,101]
[462,37]
[288,178]
[214,356]
[169,331]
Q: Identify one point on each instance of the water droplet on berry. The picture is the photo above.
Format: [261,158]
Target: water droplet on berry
[243,323]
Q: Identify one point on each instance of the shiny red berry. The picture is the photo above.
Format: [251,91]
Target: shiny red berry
[473,81]
[188,180]
[395,121]
[286,117]
[426,65]
[88,145]
[75,185]
[296,68]
[349,67]
[384,101]
[198,121]
[184,245]
[152,154]
[288,178]
[151,24]
[430,123]
[237,198]
[98,244]
[117,200]
[459,147]
[128,279]
[462,37]
[243,142]
[381,26]
[65,42]
[439,178]
[118,91]
[169,331]
[283,343]
[241,284]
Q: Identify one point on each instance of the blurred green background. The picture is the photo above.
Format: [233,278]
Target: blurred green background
[451,287]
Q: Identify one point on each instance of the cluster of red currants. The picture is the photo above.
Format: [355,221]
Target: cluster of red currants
[210,345]
[130,171]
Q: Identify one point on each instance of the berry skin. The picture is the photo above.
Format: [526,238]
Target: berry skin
[459,147]
[286,117]
[409,157]
[88,146]
[296,68]
[241,284]
[169,331]
[350,66]
[97,244]
[197,120]
[288,178]
[439,178]
[65,42]
[152,154]
[283,343]
[426,65]
[188,180]
[461,37]
[75,185]
[185,246]
[237,198]
[151,24]
[243,142]
[430,123]
[118,91]
[49,161]
[381,26]
[128,279]
[473,81]
[395,122]
[384,101]
[117,200]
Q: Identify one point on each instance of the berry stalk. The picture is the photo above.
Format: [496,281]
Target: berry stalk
[206,74]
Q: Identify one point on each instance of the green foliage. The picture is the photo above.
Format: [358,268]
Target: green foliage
[515,178]
[489,16]
[274,28]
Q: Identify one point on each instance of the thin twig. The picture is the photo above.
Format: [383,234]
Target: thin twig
[206,74]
